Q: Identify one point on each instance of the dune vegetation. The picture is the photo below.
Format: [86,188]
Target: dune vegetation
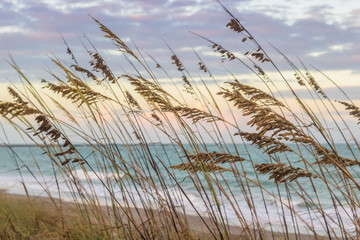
[245,150]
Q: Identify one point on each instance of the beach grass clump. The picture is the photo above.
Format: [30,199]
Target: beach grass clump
[259,165]
[21,218]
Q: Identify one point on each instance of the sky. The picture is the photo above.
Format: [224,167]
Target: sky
[323,33]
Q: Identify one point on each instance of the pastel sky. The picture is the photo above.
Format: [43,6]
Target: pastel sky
[321,32]
[324,33]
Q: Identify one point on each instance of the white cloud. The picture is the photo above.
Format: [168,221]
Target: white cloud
[113,52]
[291,11]
[16,5]
[84,4]
[12,29]
[68,7]
[57,5]
[340,47]
[317,54]
[128,12]
[191,49]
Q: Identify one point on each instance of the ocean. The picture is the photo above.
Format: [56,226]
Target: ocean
[27,166]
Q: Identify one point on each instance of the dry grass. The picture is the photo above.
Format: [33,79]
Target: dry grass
[138,107]
[39,218]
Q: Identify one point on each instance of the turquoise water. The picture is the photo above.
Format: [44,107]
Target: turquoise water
[27,166]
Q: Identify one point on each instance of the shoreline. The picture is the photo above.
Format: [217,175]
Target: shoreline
[196,224]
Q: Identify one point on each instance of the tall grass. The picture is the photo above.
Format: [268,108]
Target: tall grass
[121,117]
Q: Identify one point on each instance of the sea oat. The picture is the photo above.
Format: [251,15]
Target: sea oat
[87,72]
[194,114]
[354,110]
[195,166]
[16,109]
[255,94]
[280,172]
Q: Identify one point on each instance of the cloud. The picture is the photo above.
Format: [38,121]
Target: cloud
[32,29]
[333,93]
[12,29]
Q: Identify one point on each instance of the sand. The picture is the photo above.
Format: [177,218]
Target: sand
[197,224]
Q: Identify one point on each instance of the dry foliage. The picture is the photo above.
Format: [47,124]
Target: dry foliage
[151,172]
[280,172]
[354,110]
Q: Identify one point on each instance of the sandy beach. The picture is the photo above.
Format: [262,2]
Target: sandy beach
[197,225]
